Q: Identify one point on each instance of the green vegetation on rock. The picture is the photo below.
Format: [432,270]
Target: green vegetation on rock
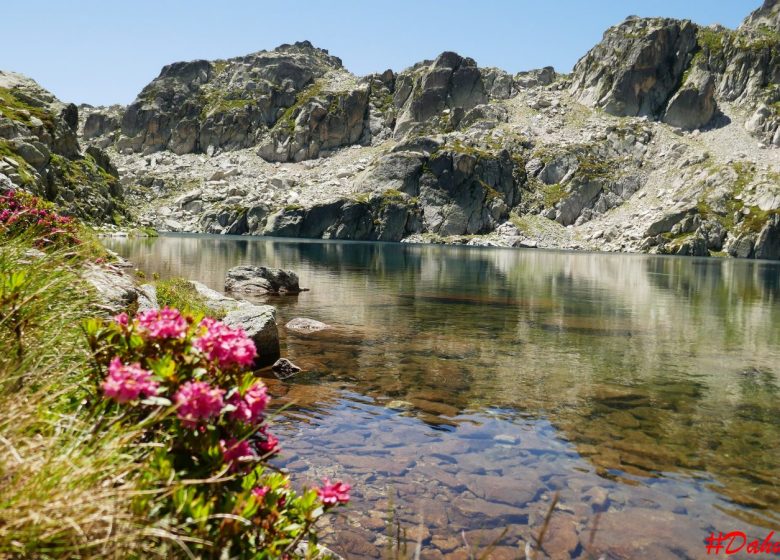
[14,106]
[286,122]
[180,294]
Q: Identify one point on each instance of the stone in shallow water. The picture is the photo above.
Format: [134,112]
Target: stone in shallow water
[374,464]
[284,368]
[304,324]
[261,280]
[623,419]
[643,533]
[471,507]
[561,538]
[514,491]
[400,405]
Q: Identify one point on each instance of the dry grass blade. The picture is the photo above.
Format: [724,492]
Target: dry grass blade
[545,525]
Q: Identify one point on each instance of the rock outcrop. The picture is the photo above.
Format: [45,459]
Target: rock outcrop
[636,67]
[40,152]
[678,72]
[293,103]
[693,104]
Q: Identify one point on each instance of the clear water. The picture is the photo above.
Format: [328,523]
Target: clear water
[460,389]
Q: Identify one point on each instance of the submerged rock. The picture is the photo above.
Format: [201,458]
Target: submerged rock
[303,324]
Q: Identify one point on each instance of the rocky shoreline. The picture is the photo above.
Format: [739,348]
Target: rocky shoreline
[117,290]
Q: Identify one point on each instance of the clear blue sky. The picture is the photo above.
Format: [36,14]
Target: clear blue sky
[105,51]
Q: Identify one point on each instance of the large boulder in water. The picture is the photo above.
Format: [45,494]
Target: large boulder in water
[261,280]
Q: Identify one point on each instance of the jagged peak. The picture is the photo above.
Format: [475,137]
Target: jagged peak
[767,15]
[633,25]
[445,59]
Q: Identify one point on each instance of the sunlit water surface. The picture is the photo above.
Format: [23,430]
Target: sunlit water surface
[459,389]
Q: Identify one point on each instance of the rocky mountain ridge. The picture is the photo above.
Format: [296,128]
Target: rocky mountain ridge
[663,139]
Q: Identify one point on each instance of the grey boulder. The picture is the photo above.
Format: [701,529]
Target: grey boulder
[261,280]
[259,323]
[693,106]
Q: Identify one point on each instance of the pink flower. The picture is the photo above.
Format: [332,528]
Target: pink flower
[122,319]
[197,400]
[333,494]
[126,383]
[250,406]
[270,445]
[224,344]
[259,492]
[233,451]
[162,323]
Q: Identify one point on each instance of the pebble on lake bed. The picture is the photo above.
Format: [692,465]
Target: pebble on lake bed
[400,405]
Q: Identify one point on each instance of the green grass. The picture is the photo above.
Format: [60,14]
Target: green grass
[521,223]
[14,107]
[757,219]
[181,294]
[66,481]
[216,101]
[82,171]
[552,194]
[23,169]
[459,147]
[712,40]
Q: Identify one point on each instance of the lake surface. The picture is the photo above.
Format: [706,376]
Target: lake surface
[461,390]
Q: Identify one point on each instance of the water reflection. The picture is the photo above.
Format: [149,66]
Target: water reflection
[641,388]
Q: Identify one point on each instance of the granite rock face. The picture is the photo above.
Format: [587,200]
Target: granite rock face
[678,72]
[637,66]
[292,102]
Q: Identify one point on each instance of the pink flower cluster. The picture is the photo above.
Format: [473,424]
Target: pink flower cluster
[198,401]
[126,383]
[334,493]
[251,405]
[234,451]
[162,323]
[20,211]
[122,319]
[269,445]
[224,344]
